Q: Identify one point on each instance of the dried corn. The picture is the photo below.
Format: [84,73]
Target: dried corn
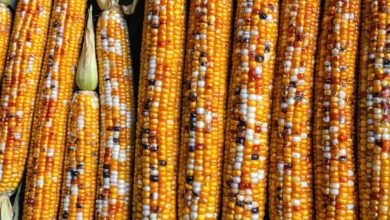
[246,152]
[19,88]
[117,137]
[5,32]
[45,162]
[156,163]
[290,175]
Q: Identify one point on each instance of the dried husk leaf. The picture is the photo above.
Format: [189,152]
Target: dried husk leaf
[104,4]
[6,2]
[87,72]
[5,208]
[130,9]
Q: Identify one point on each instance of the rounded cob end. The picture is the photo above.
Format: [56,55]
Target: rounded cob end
[87,73]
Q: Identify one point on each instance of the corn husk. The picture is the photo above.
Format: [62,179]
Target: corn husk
[6,212]
[130,9]
[6,2]
[104,4]
[87,72]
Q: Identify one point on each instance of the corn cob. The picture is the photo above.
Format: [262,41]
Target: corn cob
[204,109]
[5,32]
[245,167]
[290,184]
[159,110]
[44,170]
[334,110]
[78,193]
[373,117]
[117,116]
[20,83]
[82,145]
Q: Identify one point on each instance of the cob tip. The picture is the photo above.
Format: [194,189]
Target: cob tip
[87,76]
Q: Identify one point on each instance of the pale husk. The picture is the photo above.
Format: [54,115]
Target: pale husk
[130,9]
[104,4]
[5,208]
[6,2]
[87,70]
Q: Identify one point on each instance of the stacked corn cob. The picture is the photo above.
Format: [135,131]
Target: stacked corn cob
[247,135]
[290,184]
[117,116]
[334,110]
[5,32]
[204,109]
[373,117]
[81,156]
[78,194]
[20,83]
[44,170]
[159,110]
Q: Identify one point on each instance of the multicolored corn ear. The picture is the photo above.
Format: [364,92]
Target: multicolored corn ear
[81,158]
[19,89]
[159,105]
[204,105]
[334,107]
[117,137]
[5,33]
[373,124]
[48,143]
[290,174]
[249,110]
[82,140]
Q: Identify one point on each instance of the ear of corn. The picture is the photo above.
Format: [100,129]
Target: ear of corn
[204,109]
[5,33]
[156,164]
[20,83]
[45,163]
[246,152]
[117,116]
[373,118]
[82,140]
[334,111]
[81,157]
[290,175]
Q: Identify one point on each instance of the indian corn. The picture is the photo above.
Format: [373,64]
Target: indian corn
[205,92]
[48,144]
[82,140]
[290,175]
[117,138]
[5,32]
[373,116]
[333,130]
[246,152]
[159,98]
[19,87]
[81,157]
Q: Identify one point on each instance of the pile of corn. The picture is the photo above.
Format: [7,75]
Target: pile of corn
[247,109]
